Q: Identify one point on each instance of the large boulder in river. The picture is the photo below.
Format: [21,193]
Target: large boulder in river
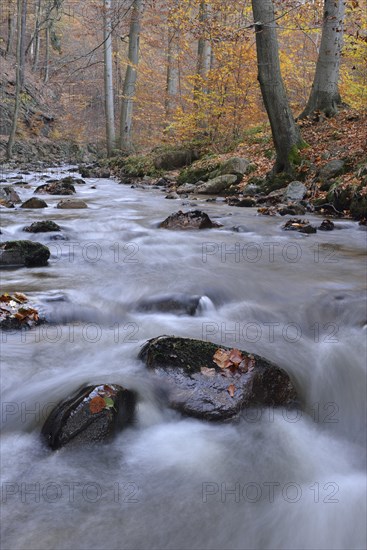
[92,415]
[34,202]
[23,253]
[173,158]
[217,185]
[42,227]
[72,204]
[58,187]
[195,219]
[215,383]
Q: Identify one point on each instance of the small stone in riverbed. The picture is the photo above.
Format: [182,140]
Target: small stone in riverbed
[7,193]
[59,187]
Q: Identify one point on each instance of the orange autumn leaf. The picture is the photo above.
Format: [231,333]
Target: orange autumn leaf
[221,358]
[231,389]
[235,356]
[97,404]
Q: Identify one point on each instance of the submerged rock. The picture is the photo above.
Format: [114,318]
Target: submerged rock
[179,304]
[195,219]
[198,386]
[23,253]
[42,227]
[34,202]
[92,415]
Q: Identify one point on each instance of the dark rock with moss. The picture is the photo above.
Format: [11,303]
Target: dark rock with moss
[195,219]
[242,202]
[358,206]
[42,227]
[178,304]
[94,414]
[217,185]
[197,386]
[34,202]
[174,158]
[95,171]
[332,169]
[58,187]
[23,253]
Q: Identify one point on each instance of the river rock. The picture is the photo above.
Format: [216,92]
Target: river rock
[17,313]
[235,165]
[34,202]
[72,204]
[197,386]
[42,227]
[290,209]
[195,219]
[295,191]
[326,225]
[245,202]
[58,187]
[23,253]
[92,415]
[302,226]
[178,304]
[7,193]
[217,185]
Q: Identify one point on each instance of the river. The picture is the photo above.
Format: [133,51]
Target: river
[272,479]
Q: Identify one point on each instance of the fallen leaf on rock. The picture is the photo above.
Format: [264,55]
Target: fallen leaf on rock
[5,298]
[206,371]
[235,356]
[231,389]
[221,358]
[20,297]
[97,404]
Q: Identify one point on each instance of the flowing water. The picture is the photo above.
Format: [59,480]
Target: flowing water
[272,479]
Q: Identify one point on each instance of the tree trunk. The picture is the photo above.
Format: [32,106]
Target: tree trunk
[324,94]
[36,37]
[172,70]
[129,87]
[47,54]
[18,80]
[286,136]
[204,47]
[11,29]
[108,78]
[22,41]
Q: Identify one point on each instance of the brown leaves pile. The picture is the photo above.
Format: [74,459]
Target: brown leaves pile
[232,362]
[11,307]
[103,399]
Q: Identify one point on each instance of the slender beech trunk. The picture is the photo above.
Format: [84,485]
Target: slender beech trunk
[47,53]
[324,94]
[173,73]
[18,80]
[11,29]
[36,37]
[286,135]
[129,87]
[22,41]
[204,46]
[108,78]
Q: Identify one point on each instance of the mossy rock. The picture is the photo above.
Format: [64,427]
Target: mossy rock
[173,158]
[201,170]
[358,207]
[341,196]
[197,386]
[138,166]
[275,182]
[23,253]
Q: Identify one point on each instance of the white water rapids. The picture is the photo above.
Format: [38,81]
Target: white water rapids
[271,480]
